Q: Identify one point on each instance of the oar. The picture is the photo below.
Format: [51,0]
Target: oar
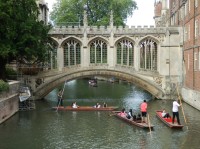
[149,123]
[181,105]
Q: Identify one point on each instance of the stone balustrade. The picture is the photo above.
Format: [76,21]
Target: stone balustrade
[107,30]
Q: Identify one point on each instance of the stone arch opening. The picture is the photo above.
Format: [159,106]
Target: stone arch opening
[148,54]
[71,52]
[125,52]
[98,51]
[52,55]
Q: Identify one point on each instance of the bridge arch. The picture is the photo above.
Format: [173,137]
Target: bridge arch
[48,86]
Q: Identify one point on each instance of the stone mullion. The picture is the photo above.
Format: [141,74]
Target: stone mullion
[151,56]
[101,52]
[128,56]
[136,59]
[68,51]
[122,48]
[75,53]
[145,56]
[95,53]
[60,59]
[51,59]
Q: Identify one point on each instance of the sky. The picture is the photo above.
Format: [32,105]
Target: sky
[142,16]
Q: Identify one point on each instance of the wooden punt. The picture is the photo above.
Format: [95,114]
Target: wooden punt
[167,121]
[130,121]
[85,108]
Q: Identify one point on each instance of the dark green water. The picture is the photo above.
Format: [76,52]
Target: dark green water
[44,128]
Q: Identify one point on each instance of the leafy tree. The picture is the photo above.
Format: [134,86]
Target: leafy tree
[97,10]
[22,35]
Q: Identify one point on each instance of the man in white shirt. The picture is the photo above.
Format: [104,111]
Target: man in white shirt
[175,107]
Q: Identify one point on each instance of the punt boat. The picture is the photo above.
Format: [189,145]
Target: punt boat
[167,121]
[130,121]
[85,108]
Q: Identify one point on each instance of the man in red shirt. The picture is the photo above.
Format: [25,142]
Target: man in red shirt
[143,109]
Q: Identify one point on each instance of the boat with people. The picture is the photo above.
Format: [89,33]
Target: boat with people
[168,121]
[93,83]
[85,108]
[138,123]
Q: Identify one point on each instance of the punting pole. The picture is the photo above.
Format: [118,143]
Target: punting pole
[181,105]
[149,123]
[61,97]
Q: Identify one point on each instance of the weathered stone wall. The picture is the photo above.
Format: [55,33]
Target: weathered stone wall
[191,97]
[9,101]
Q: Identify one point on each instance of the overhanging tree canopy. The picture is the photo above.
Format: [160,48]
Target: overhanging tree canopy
[98,11]
[22,35]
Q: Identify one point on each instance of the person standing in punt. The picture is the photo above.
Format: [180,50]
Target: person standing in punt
[143,109]
[175,112]
[60,99]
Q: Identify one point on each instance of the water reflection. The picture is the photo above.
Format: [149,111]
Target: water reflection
[48,129]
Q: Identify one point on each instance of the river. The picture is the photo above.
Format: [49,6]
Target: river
[45,128]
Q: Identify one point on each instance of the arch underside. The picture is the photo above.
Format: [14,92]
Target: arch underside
[48,86]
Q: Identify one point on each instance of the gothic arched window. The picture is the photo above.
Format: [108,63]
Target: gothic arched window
[98,52]
[148,54]
[125,52]
[72,53]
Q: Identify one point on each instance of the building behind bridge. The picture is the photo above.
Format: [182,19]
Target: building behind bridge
[186,14]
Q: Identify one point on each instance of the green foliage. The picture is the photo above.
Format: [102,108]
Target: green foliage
[10,71]
[3,86]
[22,35]
[98,11]
[11,74]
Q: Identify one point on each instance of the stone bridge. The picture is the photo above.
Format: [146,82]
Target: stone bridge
[147,56]
[52,79]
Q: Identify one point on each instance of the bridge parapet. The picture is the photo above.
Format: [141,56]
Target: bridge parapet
[108,30]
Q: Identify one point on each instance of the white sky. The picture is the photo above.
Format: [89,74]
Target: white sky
[142,16]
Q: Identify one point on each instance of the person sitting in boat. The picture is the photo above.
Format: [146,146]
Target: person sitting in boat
[134,117]
[165,115]
[74,105]
[97,105]
[123,113]
[130,114]
[139,118]
[104,105]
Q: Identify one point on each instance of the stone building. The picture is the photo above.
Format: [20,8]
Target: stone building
[185,14]
[44,10]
